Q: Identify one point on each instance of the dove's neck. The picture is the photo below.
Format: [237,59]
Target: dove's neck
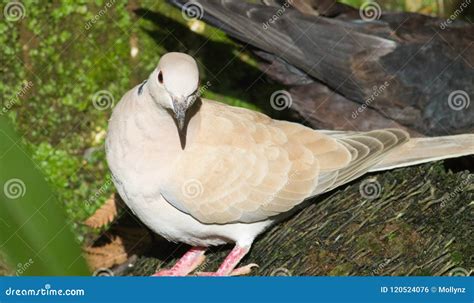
[142,137]
[157,124]
[149,120]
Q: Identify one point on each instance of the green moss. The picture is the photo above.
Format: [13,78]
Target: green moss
[457,257]
[341,270]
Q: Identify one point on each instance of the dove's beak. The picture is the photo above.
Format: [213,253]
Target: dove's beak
[179,109]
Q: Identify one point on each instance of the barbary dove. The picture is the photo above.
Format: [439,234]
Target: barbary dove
[204,173]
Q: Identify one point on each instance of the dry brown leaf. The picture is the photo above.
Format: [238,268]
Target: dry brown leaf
[116,246]
[104,215]
[107,255]
[123,239]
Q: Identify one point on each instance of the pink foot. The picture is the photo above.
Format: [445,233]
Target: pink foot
[188,262]
[227,268]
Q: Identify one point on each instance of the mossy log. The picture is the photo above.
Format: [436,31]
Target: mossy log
[410,221]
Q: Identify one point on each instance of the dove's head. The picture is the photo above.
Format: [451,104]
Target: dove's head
[174,84]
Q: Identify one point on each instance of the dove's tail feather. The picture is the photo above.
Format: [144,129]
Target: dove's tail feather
[423,150]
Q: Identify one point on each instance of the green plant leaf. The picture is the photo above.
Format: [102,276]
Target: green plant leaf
[34,232]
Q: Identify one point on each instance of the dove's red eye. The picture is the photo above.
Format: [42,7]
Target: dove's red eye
[160,77]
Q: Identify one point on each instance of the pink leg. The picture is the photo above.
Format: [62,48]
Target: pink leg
[188,262]
[227,268]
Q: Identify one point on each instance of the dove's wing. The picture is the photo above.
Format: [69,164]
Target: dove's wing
[246,167]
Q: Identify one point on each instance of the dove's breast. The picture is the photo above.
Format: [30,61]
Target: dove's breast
[138,157]
[177,226]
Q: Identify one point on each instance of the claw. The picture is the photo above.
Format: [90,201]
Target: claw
[241,271]
[188,263]
[244,270]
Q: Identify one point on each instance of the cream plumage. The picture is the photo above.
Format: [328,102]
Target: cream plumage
[222,174]
[248,167]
